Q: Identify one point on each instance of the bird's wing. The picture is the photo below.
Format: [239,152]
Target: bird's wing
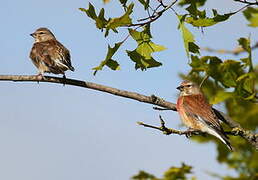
[39,53]
[59,54]
[197,107]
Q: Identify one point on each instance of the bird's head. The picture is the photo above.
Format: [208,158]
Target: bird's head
[42,34]
[187,88]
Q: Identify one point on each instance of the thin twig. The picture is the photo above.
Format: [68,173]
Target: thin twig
[204,79]
[154,17]
[169,131]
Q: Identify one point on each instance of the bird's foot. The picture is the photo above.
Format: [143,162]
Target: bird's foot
[189,132]
[39,77]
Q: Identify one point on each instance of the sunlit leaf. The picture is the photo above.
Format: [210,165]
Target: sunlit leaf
[142,55]
[145,3]
[141,61]
[121,21]
[187,2]
[178,172]
[251,14]
[174,173]
[245,44]
[206,21]
[221,96]
[188,38]
[142,175]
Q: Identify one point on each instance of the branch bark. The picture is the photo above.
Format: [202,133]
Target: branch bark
[252,138]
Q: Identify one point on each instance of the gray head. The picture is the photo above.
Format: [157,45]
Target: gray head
[187,88]
[42,34]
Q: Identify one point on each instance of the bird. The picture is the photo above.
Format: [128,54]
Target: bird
[197,114]
[48,54]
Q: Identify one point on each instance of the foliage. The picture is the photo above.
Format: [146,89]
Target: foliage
[173,173]
[232,82]
[251,15]
[142,54]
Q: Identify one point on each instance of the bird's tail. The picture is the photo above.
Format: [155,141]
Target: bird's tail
[221,136]
[71,67]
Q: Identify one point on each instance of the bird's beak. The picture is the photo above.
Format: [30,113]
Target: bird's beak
[32,34]
[179,88]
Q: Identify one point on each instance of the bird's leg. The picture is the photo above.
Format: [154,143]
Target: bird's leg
[64,79]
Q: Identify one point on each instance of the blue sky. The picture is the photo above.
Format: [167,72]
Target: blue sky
[52,132]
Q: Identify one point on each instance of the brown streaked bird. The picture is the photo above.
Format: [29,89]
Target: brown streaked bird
[197,114]
[49,55]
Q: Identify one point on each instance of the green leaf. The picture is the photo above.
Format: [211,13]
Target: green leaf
[251,14]
[198,64]
[142,175]
[141,61]
[246,85]
[188,37]
[124,20]
[230,70]
[197,2]
[100,20]
[112,64]
[90,12]
[142,55]
[221,96]
[205,22]
[123,2]
[178,172]
[173,173]
[145,3]
[245,44]
[193,48]
[213,68]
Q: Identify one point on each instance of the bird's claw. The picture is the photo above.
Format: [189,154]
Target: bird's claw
[39,77]
[188,133]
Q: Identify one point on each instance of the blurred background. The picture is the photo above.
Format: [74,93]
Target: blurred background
[51,131]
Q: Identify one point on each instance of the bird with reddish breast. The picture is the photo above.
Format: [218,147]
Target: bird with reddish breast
[197,114]
[49,55]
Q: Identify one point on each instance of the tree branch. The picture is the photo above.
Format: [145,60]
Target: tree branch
[131,95]
[235,51]
[154,100]
[247,2]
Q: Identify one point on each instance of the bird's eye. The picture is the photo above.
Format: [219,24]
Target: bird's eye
[188,85]
[41,32]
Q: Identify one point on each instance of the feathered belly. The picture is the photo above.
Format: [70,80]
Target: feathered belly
[190,121]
